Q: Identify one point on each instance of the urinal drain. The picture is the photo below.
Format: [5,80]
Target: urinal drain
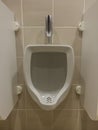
[49,99]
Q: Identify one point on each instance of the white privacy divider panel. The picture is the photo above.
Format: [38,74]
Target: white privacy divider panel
[8,64]
[89,60]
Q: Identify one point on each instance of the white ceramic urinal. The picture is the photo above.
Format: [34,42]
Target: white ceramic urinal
[48,71]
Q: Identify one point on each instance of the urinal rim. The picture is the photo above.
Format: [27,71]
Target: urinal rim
[63,89]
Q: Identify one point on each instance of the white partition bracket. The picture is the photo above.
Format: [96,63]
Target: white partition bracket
[81,26]
[16,26]
[19,89]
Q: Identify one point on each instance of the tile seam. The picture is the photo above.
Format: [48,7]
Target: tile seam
[47,111]
[22,25]
[55,27]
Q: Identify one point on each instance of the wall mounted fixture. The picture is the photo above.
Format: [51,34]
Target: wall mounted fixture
[48,71]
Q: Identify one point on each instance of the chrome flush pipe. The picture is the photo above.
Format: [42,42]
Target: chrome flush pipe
[48,28]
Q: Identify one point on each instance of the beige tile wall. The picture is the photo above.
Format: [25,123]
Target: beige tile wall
[31,14]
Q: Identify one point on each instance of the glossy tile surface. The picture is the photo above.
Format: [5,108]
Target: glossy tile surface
[34,11]
[67,12]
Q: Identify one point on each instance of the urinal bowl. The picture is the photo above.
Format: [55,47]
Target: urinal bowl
[48,71]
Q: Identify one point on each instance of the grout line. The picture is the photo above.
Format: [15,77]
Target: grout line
[76,84]
[53,20]
[22,25]
[78,120]
[84,8]
[53,10]
[29,27]
[22,12]
[81,109]
[20,57]
[27,109]
[56,27]
[66,27]
[23,39]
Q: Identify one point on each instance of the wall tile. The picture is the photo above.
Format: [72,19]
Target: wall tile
[68,103]
[66,120]
[29,102]
[89,4]
[68,36]
[71,102]
[15,6]
[87,123]
[17,120]
[68,12]
[34,11]
[34,36]
[77,43]
[64,35]
[19,43]
[20,73]
[4,125]
[39,120]
[77,75]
